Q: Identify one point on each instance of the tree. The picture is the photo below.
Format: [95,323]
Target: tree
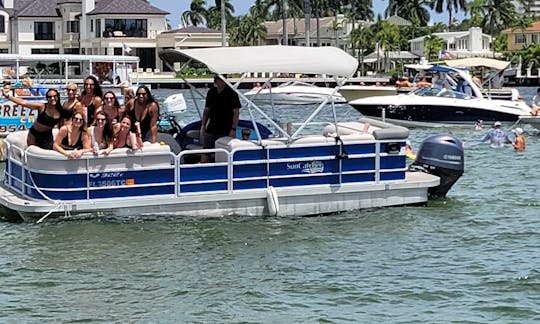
[522,22]
[410,10]
[362,39]
[433,44]
[449,5]
[497,15]
[196,15]
[388,38]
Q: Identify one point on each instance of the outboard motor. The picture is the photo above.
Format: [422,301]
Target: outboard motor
[440,155]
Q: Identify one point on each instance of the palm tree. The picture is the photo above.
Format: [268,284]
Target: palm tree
[449,5]
[362,38]
[522,23]
[388,38]
[410,10]
[497,15]
[433,44]
[196,15]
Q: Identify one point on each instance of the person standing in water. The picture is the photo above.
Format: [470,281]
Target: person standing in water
[497,136]
[519,143]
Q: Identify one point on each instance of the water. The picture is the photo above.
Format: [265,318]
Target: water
[471,258]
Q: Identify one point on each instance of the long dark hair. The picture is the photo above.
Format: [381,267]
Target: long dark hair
[98,92]
[58,105]
[149,96]
[107,128]
[83,124]
[116,103]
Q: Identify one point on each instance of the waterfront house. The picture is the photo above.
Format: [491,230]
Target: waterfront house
[461,44]
[518,39]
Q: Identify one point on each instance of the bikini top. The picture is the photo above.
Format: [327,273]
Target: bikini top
[77,145]
[47,120]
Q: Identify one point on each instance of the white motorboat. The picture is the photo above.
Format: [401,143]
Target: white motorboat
[320,168]
[353,92]
[441,106]
[534,121]
[294,93]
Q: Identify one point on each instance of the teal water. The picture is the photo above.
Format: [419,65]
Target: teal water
[472,257]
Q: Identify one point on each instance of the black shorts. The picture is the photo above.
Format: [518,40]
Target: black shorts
[43,139]
[209,141]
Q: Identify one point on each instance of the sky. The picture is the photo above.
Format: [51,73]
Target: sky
[176,7]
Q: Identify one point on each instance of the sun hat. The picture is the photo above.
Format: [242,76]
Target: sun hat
[497,123]
[518,130]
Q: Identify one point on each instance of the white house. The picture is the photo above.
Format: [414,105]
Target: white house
[93,27]
[470,43]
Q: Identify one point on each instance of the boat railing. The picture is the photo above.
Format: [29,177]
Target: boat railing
[157,171]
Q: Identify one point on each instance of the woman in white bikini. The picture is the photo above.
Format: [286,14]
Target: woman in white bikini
[101,134]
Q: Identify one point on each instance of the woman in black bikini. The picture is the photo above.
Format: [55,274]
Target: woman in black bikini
[73,140]
[72,103]
[49,115]
[112,107]
[145,113]
[125,135]
[91,98]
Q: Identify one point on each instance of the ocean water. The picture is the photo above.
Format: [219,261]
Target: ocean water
[472,257]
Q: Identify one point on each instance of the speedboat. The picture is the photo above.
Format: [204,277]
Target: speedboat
[294,93]
[441,106]
[316,168]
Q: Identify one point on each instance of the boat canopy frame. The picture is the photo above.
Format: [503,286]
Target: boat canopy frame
[273,59]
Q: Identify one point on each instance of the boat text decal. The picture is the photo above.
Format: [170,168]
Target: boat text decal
[110,179]
[307,167]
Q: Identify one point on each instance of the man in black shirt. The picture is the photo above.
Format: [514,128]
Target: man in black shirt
[220,116]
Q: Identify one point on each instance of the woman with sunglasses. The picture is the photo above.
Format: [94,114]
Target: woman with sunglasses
[125,134]
[145,113]
[112,107]
[49,115]
[72,104]
[101,134]
[73,140]
[91,97]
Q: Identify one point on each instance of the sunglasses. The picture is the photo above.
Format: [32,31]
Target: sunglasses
[88,84]
[141,93]
[109,98]
[71,90]
[77,119]
[101,119]
[50,97]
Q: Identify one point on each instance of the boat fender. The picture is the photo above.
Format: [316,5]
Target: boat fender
[272,201]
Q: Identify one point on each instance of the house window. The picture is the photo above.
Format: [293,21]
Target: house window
[118,51]
[519,39]
[71,51]
[126,27]
[2,24]
[72,26]
[98,27]
[91,26]
[4,50]
[44,30]
[534,38]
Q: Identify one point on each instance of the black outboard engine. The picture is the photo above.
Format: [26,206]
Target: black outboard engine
[440,155]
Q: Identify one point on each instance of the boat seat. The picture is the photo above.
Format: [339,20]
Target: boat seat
[309,140]
[231,144]
[151,156]
[347,128]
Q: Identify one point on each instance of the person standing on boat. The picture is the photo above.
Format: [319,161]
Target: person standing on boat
[220,116]
[145,113]
[535,104]
[519,143]
[49,115]
[73,140]
[91,98]
[497,136]
[72,104]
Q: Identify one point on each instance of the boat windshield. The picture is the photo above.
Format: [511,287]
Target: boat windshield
[437,92]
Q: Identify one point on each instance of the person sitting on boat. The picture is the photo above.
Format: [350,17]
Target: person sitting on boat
[49,115]
[519,143]
[145,112]
[112,108]
[101,134]
[464,87]
[246,133]
[91,98]
[220,116]
[73,140]
[126,135]
[535,104]
[423,83]
[409,152]
[405,83]
[129,98]
[25,89]
[476,79]
[72,103]
[497,136]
